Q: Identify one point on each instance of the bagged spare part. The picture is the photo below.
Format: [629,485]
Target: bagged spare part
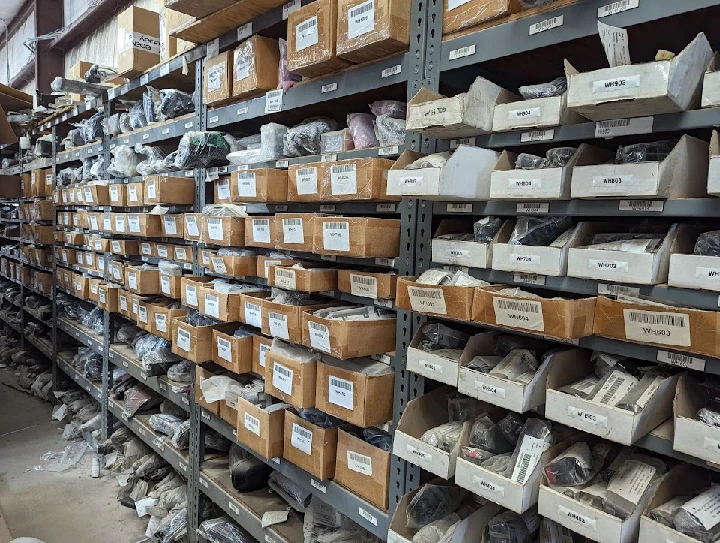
[535,439]
[630,482]
[539,231]
[509,527]
[656,151]
[443,437]
[486,228]
[556,87]
[699,517]
[305,138]
[665,513]
[708,244]
[433,502]
[362,128]
[248,472]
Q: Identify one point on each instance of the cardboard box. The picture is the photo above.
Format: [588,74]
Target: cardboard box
[285,321]
[535,113]
[553,317]
[147,248]
[198,9]
[367,284]
[508,183]
[221,306]
[163,251]
[124,302]
[693,436]
[117,271]
[356,179]
[444,301]
[251,307]
[348,339]
[218,78]
[193,226]
[369,31]
[344,391]
[127,247]
[688,270]
[294,231]
[637,90]
[681,175]
[165,189]
[265,262]
[108,297]
[692,330]
[311,40]
[363,469]
[310,447]
[466,175]
[440,368]
[259,185]
[306,279]
[81,286]
[459,15]
[195,343]
[170,285]
[238,266]
[97,195]
[363,237]
[466,114]
[615,424]
[200,375]
[182,253]
[142,281]
[261,231]
[261,346]
[134,194]
[261,429]
[461,253]
[138,41]
[711,87]
[116,194]
[254,67]
[161,319]
[233,353]
[226,231]
[289,379]
[303,181]
[145,225]
[190,294]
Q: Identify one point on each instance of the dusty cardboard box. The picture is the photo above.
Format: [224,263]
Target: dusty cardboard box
[466,114]
[348,338]
[217,78]
[233,353]
[221,306]
[200,375]
[310,447]
[307,279]
[138,41]
[182,253]
[635,90]
[290,379]
[285,321]
[261,429]
[646,268]
[193,226]
[688,270]
[142,281]
[460,14]
[238,266]
[261,231]
[295,231]
[170,285]
[461,253]
[225,231]
[563,318]
[147,248]
[117,270]
[693,330]
[195,342]
[304,181]
[161,320]
[682,174]
[311,40]
[609,422]
[534,113]
[693,436]
[466,175]
[363,469]
[378,286]
[356,179]
[116,194]
[363,237]
[452,302]
[261,346]
[98,195]
[251,307]
[345,391]
[190,289]
[165,189]
[711,87]
[265,262]
[255,67]
[162,250]
[94,285]
[108,297]
[509,183]
[145,225]
[367,31]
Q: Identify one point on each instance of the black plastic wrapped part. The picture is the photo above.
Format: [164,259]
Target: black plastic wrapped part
[319,418]
[440,336]
[150,100]
[539,231]
[223,530]
[708,244]
[174,103]
[655,151]
[136,113]
[433,502]
[93,128]
[379,438]
[486,228]
[305,138]
[248,472]
[76,136]
[202,149]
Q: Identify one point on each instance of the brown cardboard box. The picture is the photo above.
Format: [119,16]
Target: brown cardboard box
[163,250]
[233,353]
[446,301]
[265,262]
[362,237]
[142,281]
[259,185]
[197,8]
[367,284]
[161,319]
[144,225]
[43,282]
[97,195]
[117,271]
[348,339]
[138,42]
[552,316]
[134,194]
[255,67]
[195,343]
[285,321]
[310,447]
[170,285]
[238,266]
[217,78]
[147,248]
[107,223]
[182,253]
[144,308]
[356,179]
[37,182]
[117,195]
[108,297]
[200,375]
[689,330]
[227,231]
[252,307]
[221,306]
[474,12]
[260,231]
[309,279]
[295,231]
[260,430]
[26,186]
[364,35]
[189,289]
[304,181]
[261,346]
[10,186]
[193,227]
[289,379]
[171,46]
[349,394]
[363,469]
[81,286]
[164,189]
[124,302]
[94,221]
[127,247]
[311,39]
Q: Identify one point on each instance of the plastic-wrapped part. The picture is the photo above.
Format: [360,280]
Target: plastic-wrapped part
[613,387]
[378,438]
[665,513]
[151,101]
[155,161]
[526,161]
[272,146]
[559,157]
[708,244]
[172,527]
[223,530]
[556,87]
[389,131]
[497,464]
[638,396]
[136,113]
[297,494]
[94,320]
[476,455]
[93,369]
[710,417]
[633,479]
[439,530]
[539,231]
[165,424]
[92,128]
[286,78]
[536,3]
[486,228]
[582,388]
[535,439]
[174,103]
[487,435]
[656,151]
[224,210]
[124,123]
[181,372]
[319,418]
[509,527]
[124,162]
[698,518]
[519,365]
[435,160]
[201,149]
[604,363]
[440,336]
[305,138]
[140,398]
[180,438]
[111,125]
[573,467]
[76,136]
[97,167]
[389,108]
[216,441]
[443,437]
[511,426]
[248,472]
[462,408]
[433,502]
[336,141]
[362,128]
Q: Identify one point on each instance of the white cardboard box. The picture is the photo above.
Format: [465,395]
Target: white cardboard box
[611,423]
[711,90]
[534,113]
[688,270]
[543,260]
[508,183]
[461,253]
[466,175]
[622,266]
[432,366]
[693,436]
[713,182]
[636,90]
[466,114]
[681,175]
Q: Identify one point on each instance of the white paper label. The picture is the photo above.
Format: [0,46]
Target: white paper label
[617,7]
[252,424]
[529,279]
[263,352]
[293,231]
[524,260]
[519,313]
[529,207]
[278,325]
[608,265]
[306,180]
[180,253]
[191,295]
[547,24]
[340,392]
[120,224]
[657,327]
[485,486]
[215,228]
[252,315]
[613,183]
[537,135]
[224,349]
[191,226]
[706,506]
[282,378]
[319,336]
[170,225]
[261,230]
[461,52]
[343,178]
[212,306]
[161,250]
[531,449]
[616,84]
[393,70]
[101,296]
[223,189]
[359,463]
[527,113]
[161,322]
[246,184]
[430,367]
[363,285]
[146,249]
[414,452]
[285,278]
[134,224]
[336,236]
[586,416]
[623,127]
[654,206]
[306,34]
[681,360]
[273,101]
[132,280]
[615,43]
[123,303]
[576,518]
[522,185]
[183,340]
[361,19]
[427,300]
[301,439]
[491,390]
[632,480]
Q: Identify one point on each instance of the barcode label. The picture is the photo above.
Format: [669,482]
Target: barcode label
[653,206]
[278,325]
[336,236]
[319,336]
[343,179]
[547,24]
[393,70]
[340,392]
[363,285]
[454,144]
[361,19]
[427,300]
[161,322]
[282,378]
[263,352]
[191,296]
[461,52]
[215,228]
[623,127]
[657,327]
[183,340]
[306,34]
[252,424]
[224,349]
[681,360]
[615,290]
[359,463]
[306,180]
[252,315]
[288,8]
[293,231]
[529,278]
[617,7]
[261,230]
[531,449]
[531,207]
[519,314]
[537,135]
[328,88]
[273,101]
[301,439]
[459,208]
[285,278]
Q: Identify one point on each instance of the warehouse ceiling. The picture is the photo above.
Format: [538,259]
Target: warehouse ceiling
[8,9]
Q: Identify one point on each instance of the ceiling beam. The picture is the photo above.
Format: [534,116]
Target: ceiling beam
[88,22]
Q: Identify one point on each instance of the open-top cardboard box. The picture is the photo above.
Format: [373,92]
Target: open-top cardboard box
[445,301]
[233,353]
[535,113]
[310,447]
[367,284]
[290,379]
[348,338]
[461,253]
[713,182]
[692,436]
[688,270]
[433,366]
[309,278]
[261,429]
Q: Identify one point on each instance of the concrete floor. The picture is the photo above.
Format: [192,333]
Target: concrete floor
[68,507]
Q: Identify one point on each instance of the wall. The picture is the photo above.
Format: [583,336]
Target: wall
[19,55]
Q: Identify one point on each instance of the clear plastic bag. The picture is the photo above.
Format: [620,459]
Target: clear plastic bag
[708,244]
[140,398]
[155,161]
[174,103]
[638,397]
[487,435]
[336,141]
[305,138]
[539,231]
[389,108]
[124,162]
[298,496]
[439,530]
[362,128]
[656,151]
[573,467]
[613,387]
[552,532]
[519,365]
[556,87]
[286,78]
[433,502]
[462,408]
[509,527]
[440,336]
[633,479]
[136,113]
[319,418]
[92,128]
[698,517]
[389,131]
[486,229]
[151,101]
[378,438]
[511,426]
[665,513]
[443,437]
[202,149]
[709,416]
[582,388]
[223,530]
